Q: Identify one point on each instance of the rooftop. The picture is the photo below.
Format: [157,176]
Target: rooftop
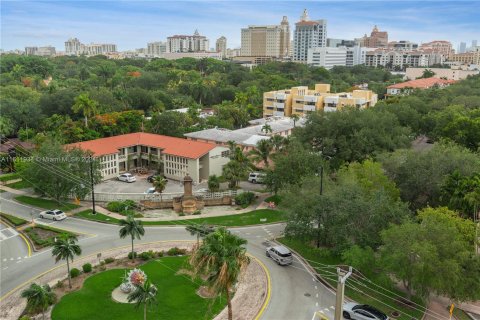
[421,83]
[169,145]
[225,135]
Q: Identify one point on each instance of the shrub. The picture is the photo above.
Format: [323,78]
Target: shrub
[197,212]
[114,206]
[176,251]
[275,199]
[109,260]
[130,256]
[122,206]
[147,255]
[87,267]
[59,284]
[245,198]
[160,254]
[74,272]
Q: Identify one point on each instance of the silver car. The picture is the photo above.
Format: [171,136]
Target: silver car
[280,255]
[357,311]
[127,177]
[55,215]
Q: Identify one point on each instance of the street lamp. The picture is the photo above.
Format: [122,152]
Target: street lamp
[92,186]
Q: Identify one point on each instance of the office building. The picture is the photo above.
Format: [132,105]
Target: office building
[266,41]
[356,55]
[186,43]
[334,43]
[377,39]
[221,46]
[74,47]
[47,51]
[462,48]
[31,51]
[327,57]
[156,48]
[179,156]
[308,34]
[301,100]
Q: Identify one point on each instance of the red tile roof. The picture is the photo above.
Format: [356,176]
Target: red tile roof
[169,145]
[421,83]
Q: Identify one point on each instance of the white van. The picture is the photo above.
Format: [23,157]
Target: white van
[280,255]
[256,177]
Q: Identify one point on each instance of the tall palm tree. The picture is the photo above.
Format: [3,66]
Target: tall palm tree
[38,297]
[160,183]
[144,294]
[266,128]
[295,117]
[66,248]
[86,106]
[278,142]
[132,228]
[261,152]
[222,256]
[199,230]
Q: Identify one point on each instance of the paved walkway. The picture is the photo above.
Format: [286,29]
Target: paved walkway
[14,191]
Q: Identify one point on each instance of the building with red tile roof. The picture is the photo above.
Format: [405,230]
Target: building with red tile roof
[174,156]
[407,86]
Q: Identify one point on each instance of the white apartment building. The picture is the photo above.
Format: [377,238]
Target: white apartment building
[156,48]
[392,58]
[308,34]
[186,43]
[266,41]
[327,57]
[356,55]
[73,46]
[195,55]
[47,51]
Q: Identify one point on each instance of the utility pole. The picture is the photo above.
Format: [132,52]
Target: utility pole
[342,277]
[92,185]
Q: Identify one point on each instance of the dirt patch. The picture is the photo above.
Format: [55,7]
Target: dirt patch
[184,272]
[43,234]
[205,292]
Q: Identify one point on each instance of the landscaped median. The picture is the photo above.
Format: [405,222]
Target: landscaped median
[260,216]
[16,222]
[46,203]
[371,292]
[44,236]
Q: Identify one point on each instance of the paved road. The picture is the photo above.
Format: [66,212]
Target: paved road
[12,247]
[295,293]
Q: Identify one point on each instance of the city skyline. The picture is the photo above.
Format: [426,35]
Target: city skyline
[132,25]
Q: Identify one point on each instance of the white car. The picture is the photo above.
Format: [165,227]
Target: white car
[256,177]
[151,191]
[55,215]
[127,177]
[357,311]
[203,190]
[280,254]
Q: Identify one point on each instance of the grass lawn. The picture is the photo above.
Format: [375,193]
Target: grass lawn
[242,219]
[367,295]
[460,314]
[13,220]
[44,236]
[46,204]
[20,185]
[9,176]
[176,298]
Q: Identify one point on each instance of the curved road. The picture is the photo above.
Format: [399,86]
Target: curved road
[295,293]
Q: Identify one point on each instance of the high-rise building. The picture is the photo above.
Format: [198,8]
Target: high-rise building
[474,43]
[266,41]
[156,48]
[308,34]
[73,46]
[221,46]
[327,57]
[377,39]
[462,48]
[185,43]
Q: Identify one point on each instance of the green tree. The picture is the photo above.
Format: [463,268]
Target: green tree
[433,255]
[86,106]
[144,294]
[295,117]
[266,129]
[222,256]
[131,227]
[199,230]
[427,73]
[66,248]
[160,183]
[38,297]
[233,172]
[6,126]
[213,183]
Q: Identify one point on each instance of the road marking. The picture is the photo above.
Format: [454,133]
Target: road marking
[269,288]
[4,259]
[28,244]
[316,304]
[7,233]
[316,288]
[25,257]
[11,259]
[316,295]
[19,261]
[19,258]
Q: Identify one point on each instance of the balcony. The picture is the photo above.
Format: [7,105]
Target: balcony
[309,108]
[122,157]
[280,96]
[279,105]
[310,98]
[279,113]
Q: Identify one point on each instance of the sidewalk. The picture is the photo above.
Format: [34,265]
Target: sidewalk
[439,306]
[14,191]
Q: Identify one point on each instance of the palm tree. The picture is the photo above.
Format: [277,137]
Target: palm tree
[261,152]
[278,142]
[295,117]
[222,256]
[132,228]
[160,183]
[199,230]
[86,106]
[144,294]
[266,128]
[38,297]
[213,183]
[66,248]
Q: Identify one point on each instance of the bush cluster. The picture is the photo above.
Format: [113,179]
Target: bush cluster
[121,206]
[87,267]
[74,272]
[245,198]
[176,251]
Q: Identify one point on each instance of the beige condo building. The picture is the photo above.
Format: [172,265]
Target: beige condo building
[301,100]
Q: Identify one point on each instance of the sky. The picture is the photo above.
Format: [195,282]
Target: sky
[132,24]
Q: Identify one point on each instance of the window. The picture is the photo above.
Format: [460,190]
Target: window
[225,154]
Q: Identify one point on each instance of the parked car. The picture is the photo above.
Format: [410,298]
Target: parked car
[151,191]
[280,255]
[152,177]
[55,215]
[357,311]
[203,190]
[127,177]
[256,177]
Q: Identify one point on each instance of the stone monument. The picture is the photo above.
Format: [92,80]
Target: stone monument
[188,203]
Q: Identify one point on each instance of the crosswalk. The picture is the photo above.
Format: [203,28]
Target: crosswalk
[7,233]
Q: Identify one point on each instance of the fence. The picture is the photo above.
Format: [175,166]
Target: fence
[107,197]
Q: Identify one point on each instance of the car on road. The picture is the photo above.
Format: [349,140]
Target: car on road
[357,311]
[151,191]
[256,177]
[280,255]
[55,215]
[152,177]
[127,177]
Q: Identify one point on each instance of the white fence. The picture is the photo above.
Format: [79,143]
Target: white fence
[107,197]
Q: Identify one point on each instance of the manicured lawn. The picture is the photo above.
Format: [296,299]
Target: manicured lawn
[9,176]
[13,220]
[176,299]
[20,185]
[44,236]
[46,204]
[367,295]
[243,219]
